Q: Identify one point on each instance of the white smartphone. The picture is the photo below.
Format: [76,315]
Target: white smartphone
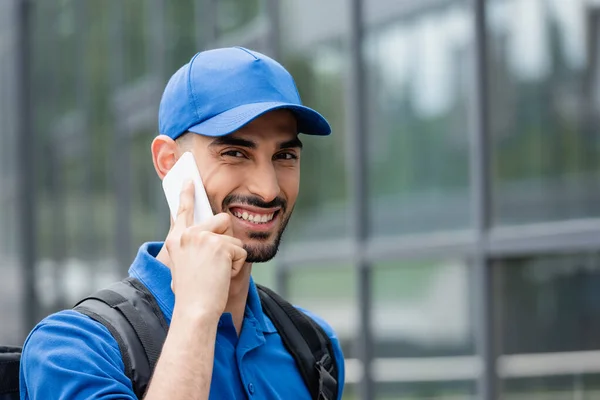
[186,169]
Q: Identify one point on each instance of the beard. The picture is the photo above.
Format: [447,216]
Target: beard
[267,248]
[258,253]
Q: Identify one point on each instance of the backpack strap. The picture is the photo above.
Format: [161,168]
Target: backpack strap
[306,341]
[132,316]
[9,372]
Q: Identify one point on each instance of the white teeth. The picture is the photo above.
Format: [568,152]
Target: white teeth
[255,218]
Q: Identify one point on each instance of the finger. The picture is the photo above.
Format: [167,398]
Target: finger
[225,224]
[220,224]
[185,214]
[196,230]
[239,254]
[238,259]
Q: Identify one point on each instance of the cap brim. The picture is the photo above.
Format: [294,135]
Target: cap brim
[309,121]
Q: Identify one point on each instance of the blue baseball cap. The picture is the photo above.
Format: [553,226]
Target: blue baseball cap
[221,90]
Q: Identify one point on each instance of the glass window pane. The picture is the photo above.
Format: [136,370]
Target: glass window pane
[423,330]
[149,210]
[136,38]
[64,42]
[101,125]
[548,309]
[180,33]
[75,208]
[11,295]
[579,387]
[550,303]
[235,15]
[242,23]
[314,47]
[419,79]
[328,291]
[543,64]
[102,130]
[422,309]
[427,391]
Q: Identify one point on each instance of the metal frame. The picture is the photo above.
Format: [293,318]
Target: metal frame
[357,166]
[26,163]
[485,332]
[84,109]
[121,145]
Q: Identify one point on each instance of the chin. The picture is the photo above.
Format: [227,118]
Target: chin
[260,250]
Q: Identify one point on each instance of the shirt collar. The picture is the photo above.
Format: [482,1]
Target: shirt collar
[156,276]
[254,308]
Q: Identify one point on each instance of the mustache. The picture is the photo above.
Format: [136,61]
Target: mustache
[254,201]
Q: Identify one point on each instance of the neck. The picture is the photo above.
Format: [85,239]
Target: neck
[238,290]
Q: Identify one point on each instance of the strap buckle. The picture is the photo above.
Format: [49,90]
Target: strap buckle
[326,382]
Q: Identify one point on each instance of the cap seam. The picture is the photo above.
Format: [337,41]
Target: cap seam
[247,51]
[191,89]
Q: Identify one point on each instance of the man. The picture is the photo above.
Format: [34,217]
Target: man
[239,113]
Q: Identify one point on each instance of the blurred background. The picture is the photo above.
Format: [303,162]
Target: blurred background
[449,229]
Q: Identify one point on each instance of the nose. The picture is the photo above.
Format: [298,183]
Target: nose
[263,182]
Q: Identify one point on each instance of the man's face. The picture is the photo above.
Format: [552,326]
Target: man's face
[254,175]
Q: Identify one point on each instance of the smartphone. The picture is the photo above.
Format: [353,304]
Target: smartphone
[186,169]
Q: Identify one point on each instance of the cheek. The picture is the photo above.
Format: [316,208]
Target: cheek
[219,184]
[289,183]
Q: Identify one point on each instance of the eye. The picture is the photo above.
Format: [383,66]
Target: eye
[234,153]
[286,156]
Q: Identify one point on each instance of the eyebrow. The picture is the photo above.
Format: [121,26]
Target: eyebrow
[235,141]
[290,144]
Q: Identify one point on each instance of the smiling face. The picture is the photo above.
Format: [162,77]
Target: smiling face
[254,175]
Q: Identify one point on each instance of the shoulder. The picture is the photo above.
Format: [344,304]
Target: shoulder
[69,355]
[322,323]
[335,342]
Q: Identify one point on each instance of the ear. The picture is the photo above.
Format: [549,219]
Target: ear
[165,153]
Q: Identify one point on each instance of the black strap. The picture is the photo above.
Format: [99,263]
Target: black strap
[9,372]
[132,316]
[135,319]
[306,341]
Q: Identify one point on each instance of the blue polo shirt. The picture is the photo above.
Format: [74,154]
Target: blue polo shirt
[70,356]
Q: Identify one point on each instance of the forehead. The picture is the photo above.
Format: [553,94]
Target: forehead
[273,125]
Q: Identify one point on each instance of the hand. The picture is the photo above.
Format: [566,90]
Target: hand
[204,259]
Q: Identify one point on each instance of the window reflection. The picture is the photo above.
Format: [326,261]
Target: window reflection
[234,15]
[318,59]
[461,390]
[543,66]
[181,26]
[150,216]
[422,309]
[419,80]
[328,291]
[585,387]
[550,303]
[10,284]
[137,40]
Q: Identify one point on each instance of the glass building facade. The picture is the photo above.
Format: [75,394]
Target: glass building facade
[449,229]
